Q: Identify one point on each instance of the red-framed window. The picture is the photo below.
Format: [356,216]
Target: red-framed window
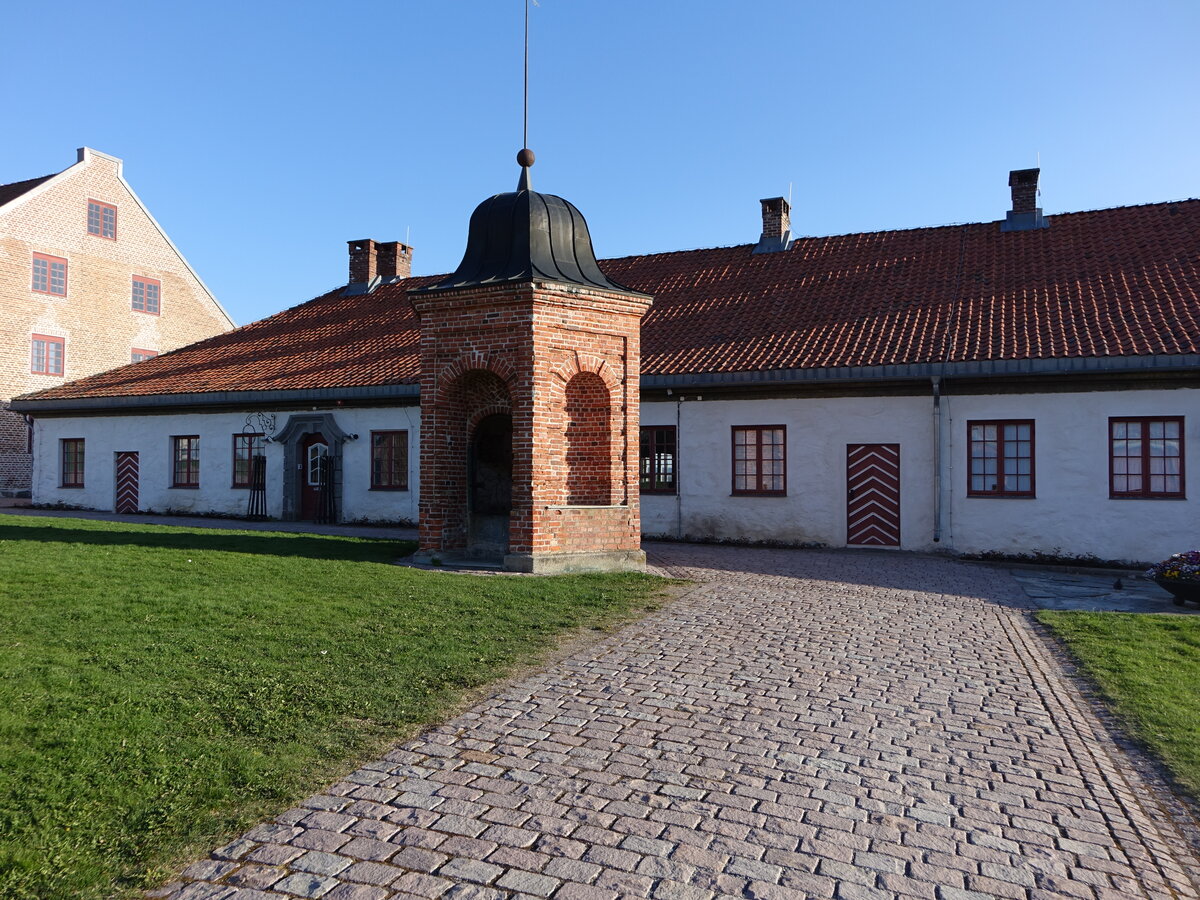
[760,459]
[1000,458]
[245,448]
[389,460]
[1145,457]
[138,355]
[656,459]
[49,275]
[147,295]
[102,219]
[47,355]
[72,462]
[185,461]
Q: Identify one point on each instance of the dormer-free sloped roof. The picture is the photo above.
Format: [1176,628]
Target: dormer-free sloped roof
[1115,282]
[10,192]
[1121,282]
[334,341]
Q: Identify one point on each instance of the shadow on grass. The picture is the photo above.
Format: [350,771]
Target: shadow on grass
[354,549]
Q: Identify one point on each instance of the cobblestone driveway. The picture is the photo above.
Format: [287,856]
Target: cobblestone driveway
[802,724]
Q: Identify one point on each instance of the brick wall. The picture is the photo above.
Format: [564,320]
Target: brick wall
[588,434]
[552,349]
[16,465]
[95,318]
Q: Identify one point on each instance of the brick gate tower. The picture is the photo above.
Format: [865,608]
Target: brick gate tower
[530,361]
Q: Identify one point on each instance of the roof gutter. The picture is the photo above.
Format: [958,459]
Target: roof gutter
[925,371]
[406,393]
[410,393]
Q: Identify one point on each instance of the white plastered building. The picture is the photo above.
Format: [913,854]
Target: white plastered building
[1024,386]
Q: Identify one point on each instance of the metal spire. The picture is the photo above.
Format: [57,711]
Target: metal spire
[525,157]
[525,135]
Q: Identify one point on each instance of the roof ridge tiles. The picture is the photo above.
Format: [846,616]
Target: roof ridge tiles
[879,231]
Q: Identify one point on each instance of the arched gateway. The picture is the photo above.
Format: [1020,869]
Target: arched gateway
[529,383]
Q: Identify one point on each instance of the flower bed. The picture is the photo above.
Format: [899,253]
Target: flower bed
[1179,574]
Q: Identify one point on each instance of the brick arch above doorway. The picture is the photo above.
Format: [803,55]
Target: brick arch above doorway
[451,375]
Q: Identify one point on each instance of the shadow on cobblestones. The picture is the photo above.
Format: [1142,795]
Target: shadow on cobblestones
[841,571]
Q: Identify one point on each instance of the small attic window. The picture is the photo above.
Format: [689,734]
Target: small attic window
[102,220]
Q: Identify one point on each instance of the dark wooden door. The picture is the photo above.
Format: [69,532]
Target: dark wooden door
[126,482]
[314,451]
[873,495]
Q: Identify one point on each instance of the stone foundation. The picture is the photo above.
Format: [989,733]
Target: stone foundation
[564,563]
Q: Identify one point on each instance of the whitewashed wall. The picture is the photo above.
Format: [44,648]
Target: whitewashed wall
[818,431]
[1071,515]
[150,436]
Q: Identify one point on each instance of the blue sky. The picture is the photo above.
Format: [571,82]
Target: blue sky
[265,135]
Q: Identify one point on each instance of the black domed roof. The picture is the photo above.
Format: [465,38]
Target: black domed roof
[527,236]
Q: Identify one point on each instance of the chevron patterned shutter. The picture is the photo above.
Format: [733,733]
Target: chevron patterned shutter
[873,495]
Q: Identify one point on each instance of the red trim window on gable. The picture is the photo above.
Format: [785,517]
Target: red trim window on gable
[147,295]
[1000,458]
[138,355]
[185,461]
[245,448]
[760,459]
[1145,458]
[49,275]
[72,462]
[389,460]
[47,355]
[102,220]
[656,459]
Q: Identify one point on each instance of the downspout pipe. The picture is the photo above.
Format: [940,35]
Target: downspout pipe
[678,471]
[937,458]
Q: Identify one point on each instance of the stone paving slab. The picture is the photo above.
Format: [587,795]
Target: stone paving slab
[1117,592]
[800,724]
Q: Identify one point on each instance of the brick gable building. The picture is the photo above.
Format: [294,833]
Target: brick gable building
[88,282]
[1029,384]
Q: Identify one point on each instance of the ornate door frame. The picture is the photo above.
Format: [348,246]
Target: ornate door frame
[298,427]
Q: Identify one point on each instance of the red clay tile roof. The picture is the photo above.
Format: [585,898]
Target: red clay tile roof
[332,341]
[1115,282]
[17,188]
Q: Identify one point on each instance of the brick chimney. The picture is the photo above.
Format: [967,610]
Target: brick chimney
[1025,214]
[1024,184]
[395,260]
[777,225]
[364,261]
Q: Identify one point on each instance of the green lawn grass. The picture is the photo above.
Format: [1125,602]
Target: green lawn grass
[1148,668]
[163,688]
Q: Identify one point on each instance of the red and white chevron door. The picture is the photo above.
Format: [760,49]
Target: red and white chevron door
[127,482]
[873,495]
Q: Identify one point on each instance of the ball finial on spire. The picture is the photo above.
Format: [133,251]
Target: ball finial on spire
[525,158]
